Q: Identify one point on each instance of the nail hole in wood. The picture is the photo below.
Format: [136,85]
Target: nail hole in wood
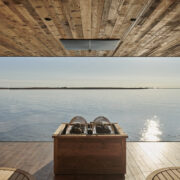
[47,19]
[133,19]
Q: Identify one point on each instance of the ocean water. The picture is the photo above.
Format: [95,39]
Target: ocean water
[145,115]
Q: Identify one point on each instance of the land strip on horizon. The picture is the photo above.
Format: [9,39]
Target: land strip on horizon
[16,88]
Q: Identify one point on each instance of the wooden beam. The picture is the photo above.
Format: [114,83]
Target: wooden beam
[85,7]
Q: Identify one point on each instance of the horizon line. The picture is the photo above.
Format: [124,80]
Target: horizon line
[34,88]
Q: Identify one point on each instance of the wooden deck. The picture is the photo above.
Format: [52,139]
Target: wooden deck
[37,158]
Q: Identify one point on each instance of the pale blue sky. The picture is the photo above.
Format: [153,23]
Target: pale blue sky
[86,71]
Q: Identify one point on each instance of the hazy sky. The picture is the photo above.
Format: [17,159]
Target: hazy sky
[86,71]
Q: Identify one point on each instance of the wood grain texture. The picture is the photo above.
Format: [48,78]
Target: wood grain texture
[89,154]
[37,159]
[34,27]
[59,129]
[14,174]
[170,173]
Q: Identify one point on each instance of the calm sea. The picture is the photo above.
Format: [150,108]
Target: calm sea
[145,115]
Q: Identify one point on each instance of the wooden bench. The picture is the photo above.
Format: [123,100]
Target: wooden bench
[14,174]
[170,173]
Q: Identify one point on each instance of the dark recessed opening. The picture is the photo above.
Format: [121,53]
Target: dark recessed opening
[47,19]
[133,19]
[90,44]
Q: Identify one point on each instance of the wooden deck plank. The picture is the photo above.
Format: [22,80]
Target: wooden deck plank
[134,167]
[37,158]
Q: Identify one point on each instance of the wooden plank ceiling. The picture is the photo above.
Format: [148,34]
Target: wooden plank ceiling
[34,27]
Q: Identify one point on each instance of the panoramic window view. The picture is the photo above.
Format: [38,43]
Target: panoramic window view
[89,90]
[37,94]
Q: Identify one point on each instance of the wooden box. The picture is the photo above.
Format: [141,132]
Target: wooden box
[89,154]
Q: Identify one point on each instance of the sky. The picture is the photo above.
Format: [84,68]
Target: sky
[154,72]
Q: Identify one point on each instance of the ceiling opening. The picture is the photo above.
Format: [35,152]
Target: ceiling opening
[90,44]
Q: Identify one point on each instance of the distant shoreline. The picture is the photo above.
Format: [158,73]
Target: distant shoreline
[78,88]
[68,88]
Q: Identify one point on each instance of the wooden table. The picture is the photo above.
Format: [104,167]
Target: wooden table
[170,173]
[14,174]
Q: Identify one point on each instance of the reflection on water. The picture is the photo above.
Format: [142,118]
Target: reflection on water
[151,131]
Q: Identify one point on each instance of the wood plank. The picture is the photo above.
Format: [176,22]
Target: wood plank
[14,176]
[158,156]
[134,168]
[105,13]
[59,130]
[43,13]
[120,130]
[19,34]
[40,29]
[160,176]
[168,177]
[20,177]
[176,172]
[36,32]
[156,33]
[62,19]
[85,7]
[156,178]
[143,30]
[97,9]
[171,173]
[12,33]
[71,9]
[112,17]
[4,174]
[56,13]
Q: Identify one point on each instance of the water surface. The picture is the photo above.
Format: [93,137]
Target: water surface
[145,115]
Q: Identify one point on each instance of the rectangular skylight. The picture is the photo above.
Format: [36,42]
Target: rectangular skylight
[90,44]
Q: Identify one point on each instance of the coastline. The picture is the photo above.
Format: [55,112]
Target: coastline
[80,88]
[70,88]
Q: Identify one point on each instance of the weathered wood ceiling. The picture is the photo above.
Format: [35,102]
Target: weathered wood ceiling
[34,27]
